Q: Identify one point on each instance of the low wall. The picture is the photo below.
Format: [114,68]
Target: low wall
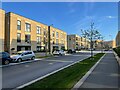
[117,57]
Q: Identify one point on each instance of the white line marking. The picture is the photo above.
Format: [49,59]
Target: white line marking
[80,55]
[33,81]
[50,63]
[58,60]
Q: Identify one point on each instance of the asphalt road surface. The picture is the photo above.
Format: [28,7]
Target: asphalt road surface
[17,75]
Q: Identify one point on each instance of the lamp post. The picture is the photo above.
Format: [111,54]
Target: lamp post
[111,41]
[49,38]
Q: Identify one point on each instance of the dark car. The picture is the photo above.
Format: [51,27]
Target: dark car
[5,58]
[71,51]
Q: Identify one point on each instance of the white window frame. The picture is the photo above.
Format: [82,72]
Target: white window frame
[27,27]
[38,29]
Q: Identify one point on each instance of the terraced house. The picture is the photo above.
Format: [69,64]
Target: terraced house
[24,34]
[57,38]
[2,29]
[77,43]
[21,33]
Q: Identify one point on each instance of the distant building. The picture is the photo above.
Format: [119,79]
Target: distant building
[97,44]
[118,39]
[77,43]
[110,44]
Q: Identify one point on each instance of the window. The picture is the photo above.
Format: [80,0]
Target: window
[44,33]
[28,27]
[61,35]
[38,30]
[53,34]
[57,35]
[38,40]
[56,41]
[70,38]
[81,39]
[38,48]
[77,43]
[62,42]
[18,25]
[18,37]
[27,38]
[76,38]
[27,53]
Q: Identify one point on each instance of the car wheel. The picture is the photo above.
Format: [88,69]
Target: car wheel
[6,62]
[19,60]
[60,54]
[33,58]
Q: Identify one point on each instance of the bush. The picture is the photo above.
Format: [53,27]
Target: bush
[117,50]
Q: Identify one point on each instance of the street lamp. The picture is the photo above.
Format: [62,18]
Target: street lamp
[49,39]
[111,40]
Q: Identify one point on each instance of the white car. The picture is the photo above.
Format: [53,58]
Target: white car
[23,55]
[59,52]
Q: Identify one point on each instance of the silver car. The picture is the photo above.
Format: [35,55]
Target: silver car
[59,52]
[23,55]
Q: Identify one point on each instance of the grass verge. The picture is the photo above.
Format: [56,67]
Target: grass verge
[65,78]
[117,50]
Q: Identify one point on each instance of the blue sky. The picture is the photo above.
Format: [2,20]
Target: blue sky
[70,16]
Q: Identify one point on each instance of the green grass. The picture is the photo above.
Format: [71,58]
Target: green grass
[65,78]
[117,50]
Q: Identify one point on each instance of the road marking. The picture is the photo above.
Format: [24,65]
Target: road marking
[58,60]
[50,63]
[27,65]
[80,55]
[33,81]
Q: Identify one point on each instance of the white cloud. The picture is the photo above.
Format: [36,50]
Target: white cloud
[111,17]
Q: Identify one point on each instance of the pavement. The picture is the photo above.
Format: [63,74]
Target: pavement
[16,75]
[105,75]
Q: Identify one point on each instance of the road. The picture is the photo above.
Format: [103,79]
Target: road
[17,75]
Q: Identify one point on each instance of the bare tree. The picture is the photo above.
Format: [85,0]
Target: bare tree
[92,34]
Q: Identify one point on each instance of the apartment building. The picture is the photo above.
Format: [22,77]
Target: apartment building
[24,34]
[109,44]
[2,29]
[57,39]
[76,42]
[118,39]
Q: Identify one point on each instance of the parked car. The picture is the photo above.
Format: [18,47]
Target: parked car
[23,55]
[59,52]
[5,58]
[71,51]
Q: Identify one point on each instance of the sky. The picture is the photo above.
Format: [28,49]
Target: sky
[71,16]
